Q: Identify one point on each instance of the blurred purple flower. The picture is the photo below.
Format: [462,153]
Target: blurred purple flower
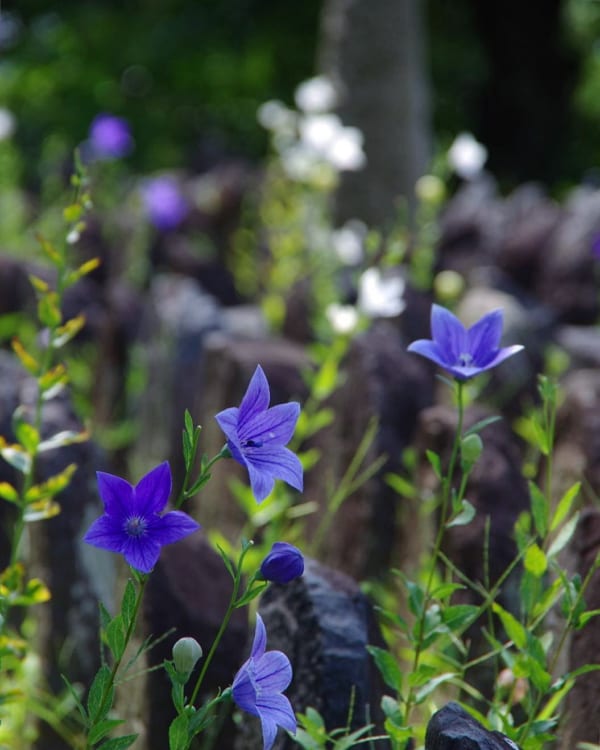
[464,352]
[164,203]
[131,525]
[258,685]
[109,137]
[256,436]
[283,563]
[596,246]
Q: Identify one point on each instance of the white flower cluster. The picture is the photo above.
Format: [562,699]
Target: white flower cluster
[313,138]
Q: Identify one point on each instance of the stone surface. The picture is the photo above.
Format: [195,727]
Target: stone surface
[583,702]
[323,623]
[452,728]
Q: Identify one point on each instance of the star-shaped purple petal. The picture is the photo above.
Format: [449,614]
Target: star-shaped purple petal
[131,525]
[464,352]
[257,436]
[257,687]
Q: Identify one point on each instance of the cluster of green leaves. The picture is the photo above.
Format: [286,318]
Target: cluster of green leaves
[524,646]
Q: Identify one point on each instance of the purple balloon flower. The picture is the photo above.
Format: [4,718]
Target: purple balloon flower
[464,352]
[256,436]
[283,563]
[110,137]
[258,685]
[164,203]
[131,524]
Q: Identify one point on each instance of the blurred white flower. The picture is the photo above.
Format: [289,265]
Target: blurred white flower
[380,297]
[348,241]
[467,156]
[274,115]
[329,139]
[316,95]
[8,123]
[343,318]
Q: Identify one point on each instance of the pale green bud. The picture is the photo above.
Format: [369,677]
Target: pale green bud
[430,189]
[186,653]
[448,286]
[470,450]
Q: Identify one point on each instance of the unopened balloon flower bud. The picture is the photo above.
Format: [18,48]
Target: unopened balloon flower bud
[470,450]
[283,563]
[186,653]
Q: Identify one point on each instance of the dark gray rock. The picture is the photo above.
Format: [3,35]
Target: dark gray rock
[452,728]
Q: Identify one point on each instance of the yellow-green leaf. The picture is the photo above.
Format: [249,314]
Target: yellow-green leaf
[8,492]
[49,311]
[29,363]
[41,511]
[51,486]
[535,561]
[72,213]
[515,631]
[564,505]
[38,284]
[68,331]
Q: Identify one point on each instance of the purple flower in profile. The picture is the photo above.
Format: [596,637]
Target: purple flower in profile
[596,246]
[164,203]
[464,352]
[258,685]
[257,435]
[110,137]
[131,524]
[283,563]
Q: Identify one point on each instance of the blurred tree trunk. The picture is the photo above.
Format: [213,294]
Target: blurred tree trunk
[374,52]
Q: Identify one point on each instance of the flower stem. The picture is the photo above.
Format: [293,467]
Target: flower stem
[444,503]
[237,578]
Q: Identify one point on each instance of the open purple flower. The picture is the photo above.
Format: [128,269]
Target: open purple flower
[257,435]
[131,524]
[464,352]
[258,685]
[283,563]
[110,137]
[164,203]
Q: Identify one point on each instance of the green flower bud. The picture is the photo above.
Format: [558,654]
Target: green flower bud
[470,450]
[430,189]
[186,653]
[448,286]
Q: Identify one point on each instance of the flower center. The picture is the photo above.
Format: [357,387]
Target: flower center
[135,526]
[465,359]
[252,444]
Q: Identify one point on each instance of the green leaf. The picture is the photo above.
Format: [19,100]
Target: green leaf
[430,686]
[115,636]
[8,492]
[564,505]
[464,517]
[515,631]
[445,590]
[102,728]
[60,439]
[128,603]
[27,435]
[16,457]
[119,743]
[535,561]
[416,597]
[49,310]
[539,509]
[179,733]
[564,536]
[387,666]
[67,331]
[435,462]
[228,564]
[584,617]
[478,426]
[459,616]
[400,485]
[97,709]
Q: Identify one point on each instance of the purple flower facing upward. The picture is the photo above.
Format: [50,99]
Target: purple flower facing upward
[464,352]
[165,205]
[258,685]
[131,524]
[110,137]
[257,435]
[283,563]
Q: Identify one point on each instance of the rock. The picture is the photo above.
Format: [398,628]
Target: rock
[583,701]
[452,728]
